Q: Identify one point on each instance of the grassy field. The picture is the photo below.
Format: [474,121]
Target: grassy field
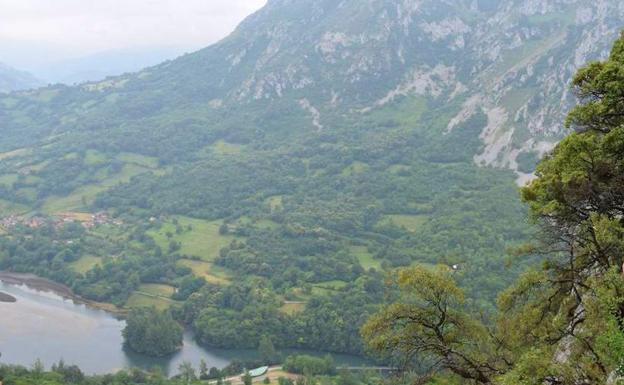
[406,112]
[222,148]
[202,240]
[74,201]
[142,300]
[34,167]
[139,160]
[9,102]
[292,308]
[27,193]
[354,168]
[211,273]
[152,294]
[8,179]
[76,216]
[94,157]
[8,208]
[275,202]
[14,153]
[366,259]
[411,223]
[85,264]
[156,289]
[328,287]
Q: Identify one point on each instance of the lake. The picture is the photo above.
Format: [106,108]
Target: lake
[46,326]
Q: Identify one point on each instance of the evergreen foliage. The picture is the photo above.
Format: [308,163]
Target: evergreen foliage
[563,323]
[152,332]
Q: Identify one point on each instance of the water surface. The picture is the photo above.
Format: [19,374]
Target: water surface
[46,326]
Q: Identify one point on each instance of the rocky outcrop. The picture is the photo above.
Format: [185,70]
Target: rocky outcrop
[4,297]
[511,59]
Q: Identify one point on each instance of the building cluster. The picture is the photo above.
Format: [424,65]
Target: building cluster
[16,220]
[88,221]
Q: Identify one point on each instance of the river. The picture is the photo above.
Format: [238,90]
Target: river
[49,327]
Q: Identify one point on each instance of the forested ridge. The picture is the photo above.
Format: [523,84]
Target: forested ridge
[267,185]
[558,324]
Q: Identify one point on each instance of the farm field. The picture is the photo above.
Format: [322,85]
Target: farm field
[157,289]
[366,259]
[292,307]
[156,295]
[142,300]
[86,263]
[411,223]
[221,148]
[199,238]
[207,270]
[87,193]
[8,207]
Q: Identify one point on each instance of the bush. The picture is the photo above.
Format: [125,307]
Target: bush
[310,365]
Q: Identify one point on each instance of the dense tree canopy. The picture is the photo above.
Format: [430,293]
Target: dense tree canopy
[563,324]
[152,332]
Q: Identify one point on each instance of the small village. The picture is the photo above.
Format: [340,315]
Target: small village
[87,220]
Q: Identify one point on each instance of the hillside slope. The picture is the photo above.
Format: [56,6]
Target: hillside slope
[14,80]
[320,143]
[510,59]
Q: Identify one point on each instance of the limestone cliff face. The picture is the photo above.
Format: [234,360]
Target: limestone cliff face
[511,59]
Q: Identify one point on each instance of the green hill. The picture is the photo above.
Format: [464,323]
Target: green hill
[321,141]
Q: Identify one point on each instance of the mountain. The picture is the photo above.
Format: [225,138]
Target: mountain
[510,59]
[319,144]
[12,79]
[101,65]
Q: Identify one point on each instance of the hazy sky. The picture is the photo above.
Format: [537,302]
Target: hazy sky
[78,27]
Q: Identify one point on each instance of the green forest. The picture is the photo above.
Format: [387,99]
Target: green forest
[337,218]
[559,323]
[289,236]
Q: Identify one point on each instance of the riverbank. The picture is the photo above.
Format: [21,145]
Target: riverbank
[4,297]
[43,325]
[46,285]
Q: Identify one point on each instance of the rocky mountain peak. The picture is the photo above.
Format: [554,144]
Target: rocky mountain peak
[511,59]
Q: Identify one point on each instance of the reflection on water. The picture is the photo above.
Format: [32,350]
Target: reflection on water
[45,326]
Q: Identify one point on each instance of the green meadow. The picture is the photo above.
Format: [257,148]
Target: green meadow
[198,238]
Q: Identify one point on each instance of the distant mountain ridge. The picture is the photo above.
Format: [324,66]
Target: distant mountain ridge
[98,66]
[14,80]
[511,59]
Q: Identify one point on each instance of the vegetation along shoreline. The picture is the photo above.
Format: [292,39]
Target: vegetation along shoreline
[41,284]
